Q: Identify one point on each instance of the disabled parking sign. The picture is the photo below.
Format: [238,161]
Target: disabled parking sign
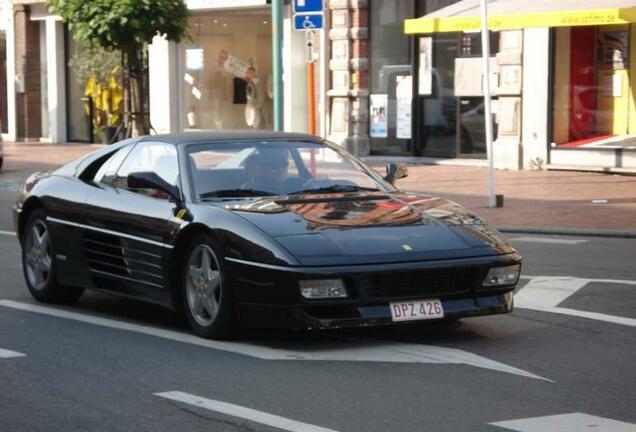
[308,15]
[308,21]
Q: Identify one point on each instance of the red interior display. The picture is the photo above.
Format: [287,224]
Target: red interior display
[582,83]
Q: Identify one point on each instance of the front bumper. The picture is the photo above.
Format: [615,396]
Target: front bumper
[269,296]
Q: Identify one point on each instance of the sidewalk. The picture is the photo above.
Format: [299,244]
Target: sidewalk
[533,199]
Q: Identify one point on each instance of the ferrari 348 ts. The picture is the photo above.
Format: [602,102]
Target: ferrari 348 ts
[257,229]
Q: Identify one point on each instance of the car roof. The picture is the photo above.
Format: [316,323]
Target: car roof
[225,135]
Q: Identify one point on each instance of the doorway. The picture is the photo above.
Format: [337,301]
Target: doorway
[449,101]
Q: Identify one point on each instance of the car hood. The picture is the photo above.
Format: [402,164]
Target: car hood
[375,227]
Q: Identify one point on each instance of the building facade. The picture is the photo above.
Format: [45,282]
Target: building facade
[563,91]
[562,74]
[222,77]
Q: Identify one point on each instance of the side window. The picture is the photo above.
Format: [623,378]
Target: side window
[159,158]
[106,173]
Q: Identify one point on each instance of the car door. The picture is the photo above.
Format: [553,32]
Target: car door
[127,232]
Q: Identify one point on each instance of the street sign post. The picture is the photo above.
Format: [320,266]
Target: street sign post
[308,16]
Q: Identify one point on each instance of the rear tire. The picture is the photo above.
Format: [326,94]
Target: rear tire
[38,263]
[206,294]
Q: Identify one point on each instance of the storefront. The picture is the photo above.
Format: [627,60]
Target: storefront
[562,75]
[227,82]
[594,113]
[398,124]
[222,77]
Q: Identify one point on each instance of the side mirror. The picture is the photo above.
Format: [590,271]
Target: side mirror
[150,180]
[395,172]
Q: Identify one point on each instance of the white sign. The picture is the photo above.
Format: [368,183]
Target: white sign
[219,4]
[404,96]
[379,124]
[425,73]
[469,76]
[194,59]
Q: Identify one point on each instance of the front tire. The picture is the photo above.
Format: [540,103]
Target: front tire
[207,298]
[38,263]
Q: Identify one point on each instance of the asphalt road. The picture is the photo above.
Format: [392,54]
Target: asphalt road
[564,358]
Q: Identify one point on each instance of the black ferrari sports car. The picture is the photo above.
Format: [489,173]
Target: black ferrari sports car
[257,229]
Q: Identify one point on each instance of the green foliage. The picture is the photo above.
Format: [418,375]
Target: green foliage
[123,24]
[96,61]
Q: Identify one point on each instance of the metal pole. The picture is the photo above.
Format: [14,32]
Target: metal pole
[277,62]
[311,96]
[485,44]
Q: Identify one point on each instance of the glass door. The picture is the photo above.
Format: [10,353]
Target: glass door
[451,122]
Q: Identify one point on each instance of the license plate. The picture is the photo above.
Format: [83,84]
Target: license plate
[416,310]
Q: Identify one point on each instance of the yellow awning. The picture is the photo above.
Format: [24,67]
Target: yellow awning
[567,18]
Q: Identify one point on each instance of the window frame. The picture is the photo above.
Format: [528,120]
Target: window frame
[184,152]
[178,181]
[127,148]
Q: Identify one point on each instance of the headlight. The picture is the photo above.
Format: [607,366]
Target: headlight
[323,289]
[500,276]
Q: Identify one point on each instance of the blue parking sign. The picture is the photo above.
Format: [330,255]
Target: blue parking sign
[304,6]
[308,21]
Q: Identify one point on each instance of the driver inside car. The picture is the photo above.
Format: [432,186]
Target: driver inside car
[266,169]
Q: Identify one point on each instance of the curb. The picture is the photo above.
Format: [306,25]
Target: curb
[570,232]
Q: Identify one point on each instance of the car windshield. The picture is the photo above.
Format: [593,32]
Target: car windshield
[224,170]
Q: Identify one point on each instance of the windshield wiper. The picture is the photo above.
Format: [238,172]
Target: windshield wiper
[225,193]
[335,188]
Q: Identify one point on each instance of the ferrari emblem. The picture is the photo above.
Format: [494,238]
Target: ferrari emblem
[181,213]
[407,248]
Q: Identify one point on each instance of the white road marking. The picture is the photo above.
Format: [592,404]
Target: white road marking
[242,412]
[592,315]
[5,354]
[574,422]
[357,350]
[588,280]
[547,240]
[545,293]
[7,233]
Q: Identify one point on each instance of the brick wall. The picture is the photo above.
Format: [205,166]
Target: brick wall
[349,92]
[27,56]
[3,88]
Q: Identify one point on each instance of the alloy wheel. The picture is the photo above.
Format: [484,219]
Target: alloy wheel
[203,285]
[38,258]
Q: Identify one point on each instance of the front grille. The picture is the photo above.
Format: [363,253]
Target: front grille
[418,283]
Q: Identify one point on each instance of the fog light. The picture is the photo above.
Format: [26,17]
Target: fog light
[499,276]
[323,289]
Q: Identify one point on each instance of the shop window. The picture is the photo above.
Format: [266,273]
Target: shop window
[79,127]
[390,78]
[592,102]
[450,102]
[227,79]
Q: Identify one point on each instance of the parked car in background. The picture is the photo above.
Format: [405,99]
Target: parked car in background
[258,229]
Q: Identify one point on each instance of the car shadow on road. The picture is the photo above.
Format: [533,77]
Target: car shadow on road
[426,333]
